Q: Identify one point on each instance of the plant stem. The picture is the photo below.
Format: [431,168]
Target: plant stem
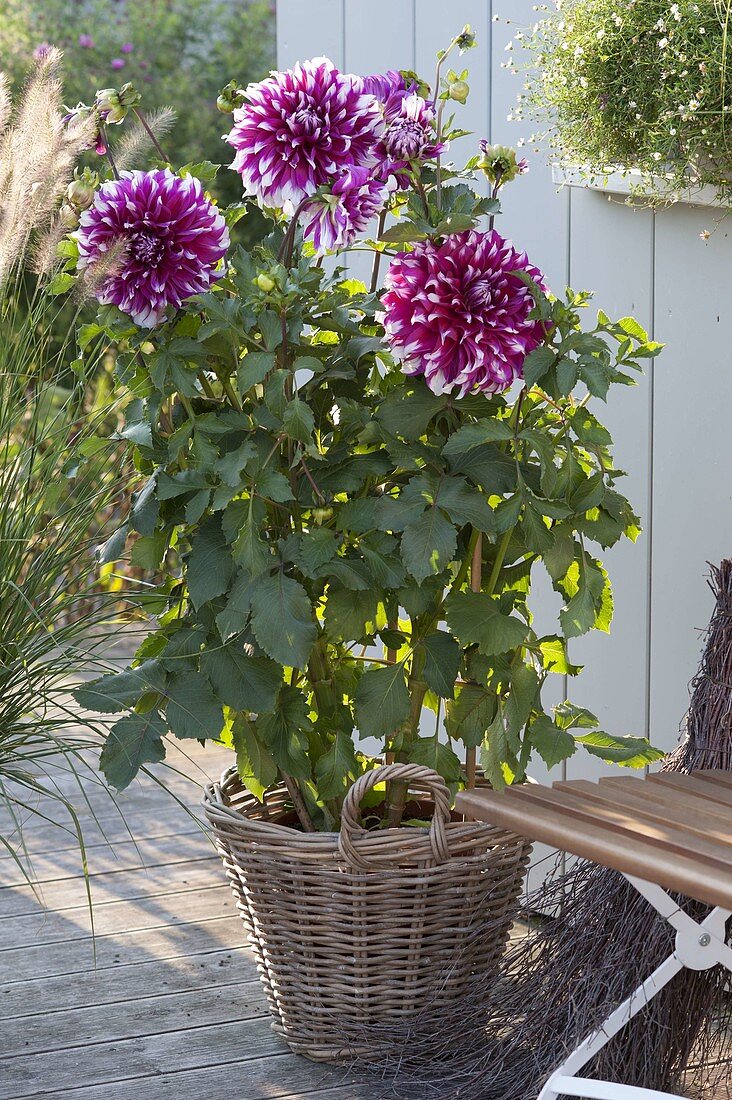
[494,195]
[151,134]
[476,583]
[397,794]
[377,255]
[107,150]
[499,559]
[465,564]
[298,802]
[231,393]
[438,132]
[311,479]
[206,386]
[284,256]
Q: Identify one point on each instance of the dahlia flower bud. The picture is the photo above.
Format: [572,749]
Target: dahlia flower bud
[109,106]
[68,216]
[129,96]
[80,192]
[409,136]
[265,283]
[229,98]
[459,91]
[466,38]
[500,164]
[113,105]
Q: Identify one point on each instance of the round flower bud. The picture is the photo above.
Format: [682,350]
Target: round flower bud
[229,98]
[80,192]
[265,283]
[68,216]
[500,163]
[320,515]
[459,91]
[116,115]
[147,348]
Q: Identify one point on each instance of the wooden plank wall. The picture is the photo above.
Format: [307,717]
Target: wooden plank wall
[671,431]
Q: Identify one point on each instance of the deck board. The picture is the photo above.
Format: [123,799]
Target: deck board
[173,1005]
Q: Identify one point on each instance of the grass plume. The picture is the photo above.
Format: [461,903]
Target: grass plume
[38,151]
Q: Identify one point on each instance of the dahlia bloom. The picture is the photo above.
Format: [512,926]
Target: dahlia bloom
[333,219]
[456,313]
[409,135]
[172,238]
[383,85]
[300,128]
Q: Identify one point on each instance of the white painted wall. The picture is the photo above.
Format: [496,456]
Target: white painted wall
[672,431]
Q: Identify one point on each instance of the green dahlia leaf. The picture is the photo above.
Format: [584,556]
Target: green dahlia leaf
[382,701]
[254,762]
[120,690]
[210,565]
[552,743]
[431,752]
[336,766]
[282,620]
[469,716]
[442,661]
[135,740]
[475,619]
[193,710]
[241,680]
[628,752]
[428,546]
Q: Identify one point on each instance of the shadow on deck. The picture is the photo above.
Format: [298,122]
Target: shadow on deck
[172,1006]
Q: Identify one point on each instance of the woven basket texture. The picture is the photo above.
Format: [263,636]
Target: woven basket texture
[356,928]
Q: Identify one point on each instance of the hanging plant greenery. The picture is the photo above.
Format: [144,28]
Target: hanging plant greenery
[643,84]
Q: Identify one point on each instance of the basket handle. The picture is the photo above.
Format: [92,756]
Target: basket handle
[415,775]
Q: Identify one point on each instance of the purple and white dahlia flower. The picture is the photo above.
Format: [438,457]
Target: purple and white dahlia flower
[456,313]
[333,219]
[298,129]
[170,236]
[383,85]
[409,135]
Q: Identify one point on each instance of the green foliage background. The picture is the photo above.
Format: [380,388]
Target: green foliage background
[183,52]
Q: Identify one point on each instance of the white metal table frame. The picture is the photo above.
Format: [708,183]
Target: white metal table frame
[699,946]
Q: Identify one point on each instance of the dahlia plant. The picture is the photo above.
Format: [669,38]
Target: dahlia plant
[348,491]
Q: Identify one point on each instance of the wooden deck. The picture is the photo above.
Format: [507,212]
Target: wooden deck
[172,1007]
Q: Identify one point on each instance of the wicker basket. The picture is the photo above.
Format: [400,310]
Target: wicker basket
[358,929]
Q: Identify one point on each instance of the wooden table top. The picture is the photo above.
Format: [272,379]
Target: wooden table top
[674,830]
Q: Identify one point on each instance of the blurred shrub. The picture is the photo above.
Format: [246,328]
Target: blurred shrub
[178,53]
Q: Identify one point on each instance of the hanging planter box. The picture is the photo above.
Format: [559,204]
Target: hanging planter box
[633,185]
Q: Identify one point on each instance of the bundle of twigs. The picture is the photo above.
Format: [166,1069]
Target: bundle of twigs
[561,980]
